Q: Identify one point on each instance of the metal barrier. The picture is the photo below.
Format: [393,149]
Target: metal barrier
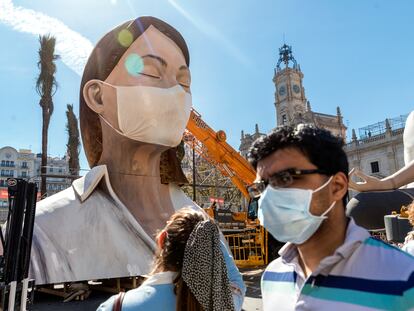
[249,248]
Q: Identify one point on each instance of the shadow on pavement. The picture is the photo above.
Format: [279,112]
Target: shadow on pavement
[252,278]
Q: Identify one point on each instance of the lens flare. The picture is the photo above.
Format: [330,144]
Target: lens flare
[134,64]
[125,38]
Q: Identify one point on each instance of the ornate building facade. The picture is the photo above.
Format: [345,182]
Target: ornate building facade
[248,139]
[292,106]
[378,149]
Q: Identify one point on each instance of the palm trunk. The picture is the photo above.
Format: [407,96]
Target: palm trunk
[46,87]
[43,168]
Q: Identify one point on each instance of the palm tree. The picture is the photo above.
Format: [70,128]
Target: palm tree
[73,141]
[46,87]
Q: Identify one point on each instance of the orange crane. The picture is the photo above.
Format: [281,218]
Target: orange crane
[213,147]
[249,246]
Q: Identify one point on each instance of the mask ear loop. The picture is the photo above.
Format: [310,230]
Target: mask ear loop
[105,120]
[324,185]
[333,203]
[328,210]
[110,125]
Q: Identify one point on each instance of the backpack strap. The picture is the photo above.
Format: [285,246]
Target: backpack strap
[118,301]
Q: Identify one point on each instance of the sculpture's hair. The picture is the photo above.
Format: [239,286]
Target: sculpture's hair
[104,57]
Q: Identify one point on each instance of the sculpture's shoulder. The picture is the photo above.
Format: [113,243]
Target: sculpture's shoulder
[69,201]
[62,199]
[408,139]
[409,130]
[180,199]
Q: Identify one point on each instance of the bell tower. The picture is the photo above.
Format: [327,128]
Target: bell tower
[290,101]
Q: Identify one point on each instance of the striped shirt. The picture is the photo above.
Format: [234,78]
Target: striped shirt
[364,273]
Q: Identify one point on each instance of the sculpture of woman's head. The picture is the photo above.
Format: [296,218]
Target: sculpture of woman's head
[136,83]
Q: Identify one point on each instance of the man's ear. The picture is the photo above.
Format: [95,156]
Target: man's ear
[92,93]
[339,186]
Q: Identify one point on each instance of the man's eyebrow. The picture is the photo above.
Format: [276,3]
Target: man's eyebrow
[160,59]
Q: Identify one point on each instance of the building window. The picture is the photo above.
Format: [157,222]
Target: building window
[60,170]
[3,163]
[375,167]
[24,164]
[7,163]
[284,119]
[24,174]
[12,163]
[51,170]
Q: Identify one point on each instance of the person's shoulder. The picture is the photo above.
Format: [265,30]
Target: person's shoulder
[277,265]
[179,199]
[277,270]
[150,297]
[107,305]
[387,249]
[409,247]
[387,257]
[145,297]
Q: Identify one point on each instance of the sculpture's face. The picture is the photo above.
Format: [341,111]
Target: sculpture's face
[152,60]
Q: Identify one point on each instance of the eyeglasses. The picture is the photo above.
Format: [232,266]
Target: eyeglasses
[281,179]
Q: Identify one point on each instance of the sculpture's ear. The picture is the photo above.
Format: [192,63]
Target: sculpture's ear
[92,93]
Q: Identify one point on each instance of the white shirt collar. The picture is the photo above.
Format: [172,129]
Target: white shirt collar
[159,278]
[85,185]
[355,235]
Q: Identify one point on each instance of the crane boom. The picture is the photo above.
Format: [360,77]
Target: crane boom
[213,147]
[250,246]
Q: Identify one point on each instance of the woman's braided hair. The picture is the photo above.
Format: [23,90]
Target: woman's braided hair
[170,256]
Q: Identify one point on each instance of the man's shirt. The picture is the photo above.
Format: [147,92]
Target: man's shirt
[364,273]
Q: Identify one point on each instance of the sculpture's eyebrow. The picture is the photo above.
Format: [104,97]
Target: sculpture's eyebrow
[160,59]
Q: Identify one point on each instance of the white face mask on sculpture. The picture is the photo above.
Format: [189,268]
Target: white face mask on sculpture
[284,212]
[151,114]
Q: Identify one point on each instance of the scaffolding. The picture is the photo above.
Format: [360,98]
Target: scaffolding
[381,127]
[206,180]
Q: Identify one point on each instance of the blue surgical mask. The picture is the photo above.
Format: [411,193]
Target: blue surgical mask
[284,212]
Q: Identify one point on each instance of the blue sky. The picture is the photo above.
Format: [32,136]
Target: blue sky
[354,54]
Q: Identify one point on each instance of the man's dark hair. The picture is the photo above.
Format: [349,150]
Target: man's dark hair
[322,148]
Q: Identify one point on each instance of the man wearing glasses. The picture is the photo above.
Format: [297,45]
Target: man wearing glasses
[328,262]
